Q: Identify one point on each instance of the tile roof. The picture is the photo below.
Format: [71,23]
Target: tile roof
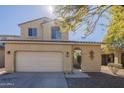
[35,40]
[9,36]
[33,20]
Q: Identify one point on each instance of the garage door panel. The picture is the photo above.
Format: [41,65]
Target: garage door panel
[39,69]
[39,61]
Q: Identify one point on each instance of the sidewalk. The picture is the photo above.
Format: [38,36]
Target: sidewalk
[2,71]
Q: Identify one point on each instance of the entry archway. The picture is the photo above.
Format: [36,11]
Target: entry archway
[77,59]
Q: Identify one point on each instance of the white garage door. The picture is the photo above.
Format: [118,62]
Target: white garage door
[39,62]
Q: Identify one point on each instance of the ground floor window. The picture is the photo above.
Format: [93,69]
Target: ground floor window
[107,58]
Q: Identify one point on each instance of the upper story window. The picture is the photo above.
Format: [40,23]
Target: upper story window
[32,32]
[56,34]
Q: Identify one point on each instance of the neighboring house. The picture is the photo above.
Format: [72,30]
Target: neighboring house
[2,50]
[42,47]
[6,37]
[112,57]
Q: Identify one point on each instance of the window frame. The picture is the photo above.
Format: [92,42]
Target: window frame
[56,32]
[32,32]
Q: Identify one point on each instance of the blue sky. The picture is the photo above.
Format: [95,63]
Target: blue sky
[11,16]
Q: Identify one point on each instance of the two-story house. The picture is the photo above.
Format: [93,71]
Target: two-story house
[42,29]
[42,47]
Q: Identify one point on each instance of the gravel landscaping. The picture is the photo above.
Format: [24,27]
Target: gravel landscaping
[96,80]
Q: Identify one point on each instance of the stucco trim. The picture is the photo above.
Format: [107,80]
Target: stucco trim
[32,20]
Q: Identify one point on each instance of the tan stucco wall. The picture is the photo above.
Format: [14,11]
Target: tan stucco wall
[44,30]
[47,32]
[2,51]
[34,24]
[88,65]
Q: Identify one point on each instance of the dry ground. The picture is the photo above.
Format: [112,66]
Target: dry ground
[103,79]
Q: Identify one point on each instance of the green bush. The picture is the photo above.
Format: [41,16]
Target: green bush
[79,59]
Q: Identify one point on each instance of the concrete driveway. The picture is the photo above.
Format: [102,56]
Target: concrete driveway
[33,80]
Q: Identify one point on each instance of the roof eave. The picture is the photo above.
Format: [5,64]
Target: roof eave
[32,20]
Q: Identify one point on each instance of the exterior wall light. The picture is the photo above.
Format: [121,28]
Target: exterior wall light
[67,54]
[8,52]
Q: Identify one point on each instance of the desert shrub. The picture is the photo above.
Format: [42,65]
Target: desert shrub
[114,67]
